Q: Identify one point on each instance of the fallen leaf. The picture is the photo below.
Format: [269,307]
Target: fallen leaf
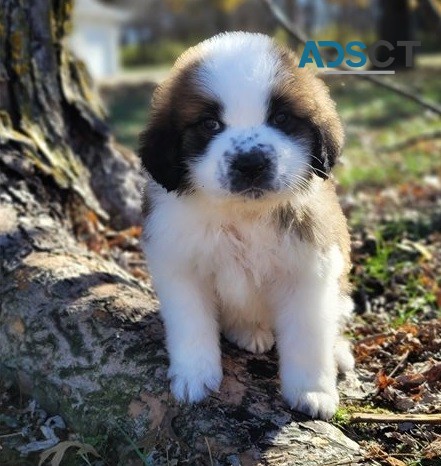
[367,346]
[383,381]
[409,381]
[391,461]
[60,449]
[433,450]
[433,374]
[17,326]
[373,450]
[408,328]
[425,253]
[121,237]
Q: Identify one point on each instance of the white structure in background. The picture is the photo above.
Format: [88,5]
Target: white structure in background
[95,36]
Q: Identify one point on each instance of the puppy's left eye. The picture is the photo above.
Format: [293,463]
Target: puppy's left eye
[212,125]
[280,118]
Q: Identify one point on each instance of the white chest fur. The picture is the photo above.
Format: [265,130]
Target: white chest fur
[247,258]
[241,256]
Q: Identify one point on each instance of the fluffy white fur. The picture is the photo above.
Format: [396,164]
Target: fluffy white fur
[244,62]
[221,264]
[219,267]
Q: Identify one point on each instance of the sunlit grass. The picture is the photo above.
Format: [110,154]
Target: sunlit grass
[376,120]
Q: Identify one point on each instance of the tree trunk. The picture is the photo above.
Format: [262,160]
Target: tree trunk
[431,17]
[79,333]
[395,24]
[49,109]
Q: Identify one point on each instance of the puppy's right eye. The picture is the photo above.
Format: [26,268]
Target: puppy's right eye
[212,125]
[280,119]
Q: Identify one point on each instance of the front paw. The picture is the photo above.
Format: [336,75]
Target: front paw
[254,339]
[193,381]
[317,404]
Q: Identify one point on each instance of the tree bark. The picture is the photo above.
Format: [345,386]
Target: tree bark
[77,332]
[82,337]
[49,108]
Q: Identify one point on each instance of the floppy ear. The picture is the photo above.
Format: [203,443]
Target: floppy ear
[327,145]
[160,151]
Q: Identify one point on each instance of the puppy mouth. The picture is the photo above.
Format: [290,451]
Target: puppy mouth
[255,188]
[253,193]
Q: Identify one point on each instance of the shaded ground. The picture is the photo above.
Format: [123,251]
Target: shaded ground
[397,328]
[393,200]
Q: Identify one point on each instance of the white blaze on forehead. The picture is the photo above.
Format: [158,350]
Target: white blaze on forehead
[239,70]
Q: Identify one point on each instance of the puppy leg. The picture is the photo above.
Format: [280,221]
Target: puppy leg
[252,336]
[192,336]
[343,353]
[307,325]
[343,356]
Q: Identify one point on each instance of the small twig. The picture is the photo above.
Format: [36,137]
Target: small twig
[209,451]
[411,141]
[301,37]
[344,462]
[400,363]
[137,263]
[401,91]
[282,19]
[15,434]
[394,455]
[395,418]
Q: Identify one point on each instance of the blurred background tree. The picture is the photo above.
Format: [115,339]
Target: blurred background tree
[161,29]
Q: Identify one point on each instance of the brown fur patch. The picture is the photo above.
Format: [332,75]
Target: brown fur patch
[177,104]
[321,222]
[308,94]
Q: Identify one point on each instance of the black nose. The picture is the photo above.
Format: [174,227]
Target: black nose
[251,164]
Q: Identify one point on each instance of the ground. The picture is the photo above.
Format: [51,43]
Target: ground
[390,189]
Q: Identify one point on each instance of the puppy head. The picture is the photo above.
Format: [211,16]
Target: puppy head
[237,117]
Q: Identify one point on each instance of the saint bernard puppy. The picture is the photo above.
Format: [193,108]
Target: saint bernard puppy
[243,231]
